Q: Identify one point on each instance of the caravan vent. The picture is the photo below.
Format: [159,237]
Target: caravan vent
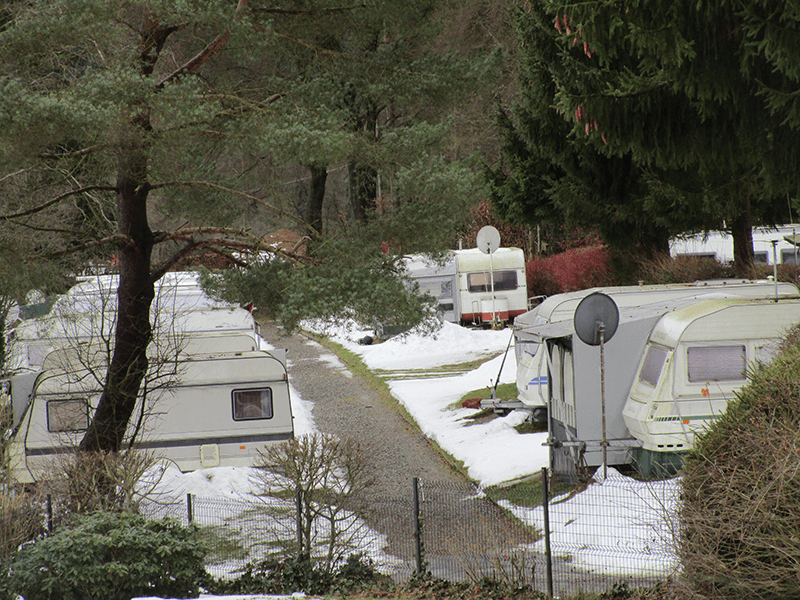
[209,455]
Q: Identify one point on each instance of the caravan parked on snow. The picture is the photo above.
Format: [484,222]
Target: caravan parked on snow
[571,396]
[214,393]
[532,375]
[214,409]
[695,360]
[464,284]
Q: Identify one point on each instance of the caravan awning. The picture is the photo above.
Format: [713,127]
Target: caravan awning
[546,331]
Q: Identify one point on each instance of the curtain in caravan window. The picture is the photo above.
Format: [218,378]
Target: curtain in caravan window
[67,415]
[716,363]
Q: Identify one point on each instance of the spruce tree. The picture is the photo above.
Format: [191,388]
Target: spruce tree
[687,90]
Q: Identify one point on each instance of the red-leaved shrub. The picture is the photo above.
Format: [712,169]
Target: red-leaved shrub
[576,269]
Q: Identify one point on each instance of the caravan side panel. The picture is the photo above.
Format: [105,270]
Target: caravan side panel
[222,411]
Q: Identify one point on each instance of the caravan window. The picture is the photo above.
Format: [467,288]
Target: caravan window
[482,281]
[252,404]
[438,288]
[67,415]
[716,363]
[652,365]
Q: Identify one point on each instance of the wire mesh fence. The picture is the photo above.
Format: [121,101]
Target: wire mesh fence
[611,532]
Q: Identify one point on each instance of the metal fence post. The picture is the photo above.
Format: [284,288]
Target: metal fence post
[49,513]
[298,499]
[546,512]
[189,508]
[417,526]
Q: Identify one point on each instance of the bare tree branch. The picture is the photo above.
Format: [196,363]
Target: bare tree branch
[56,200]
[278,211]
[201,58]
[75,154]
[308,12]
[248,242]
[109,240]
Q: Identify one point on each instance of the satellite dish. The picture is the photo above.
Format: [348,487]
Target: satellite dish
[594,310]
[488,239]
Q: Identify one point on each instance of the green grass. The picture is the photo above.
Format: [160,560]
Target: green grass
[528,491]
[505,391]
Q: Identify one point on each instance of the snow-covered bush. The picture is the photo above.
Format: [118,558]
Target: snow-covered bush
[110,556]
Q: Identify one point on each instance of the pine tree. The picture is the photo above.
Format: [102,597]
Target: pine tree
[139,129]
[552,173]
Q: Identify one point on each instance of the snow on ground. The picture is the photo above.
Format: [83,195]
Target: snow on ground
[429,386]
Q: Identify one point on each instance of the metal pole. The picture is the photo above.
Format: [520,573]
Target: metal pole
[417,526]
[491,274]
[546,513]
[775,266]
[189,511]
[49,513]
[602,331]
[298,500]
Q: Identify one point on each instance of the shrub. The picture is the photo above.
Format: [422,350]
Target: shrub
[572,270]
[110,556]
[21,519]
[741,491]
[301,574]
[683,269]
[330,478]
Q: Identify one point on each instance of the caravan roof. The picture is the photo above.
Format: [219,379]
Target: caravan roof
[474,259]
[743,319]
[561,307]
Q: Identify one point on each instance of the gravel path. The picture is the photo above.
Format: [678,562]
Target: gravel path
[346,406]
[460,527]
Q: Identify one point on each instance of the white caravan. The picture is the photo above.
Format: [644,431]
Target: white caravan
[532,372]
[214,393]
[573,393]
[211,409]
[463,284]
[770,245]
[695,360]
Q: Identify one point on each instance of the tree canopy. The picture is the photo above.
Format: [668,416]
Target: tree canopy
[684,93]
[136,135]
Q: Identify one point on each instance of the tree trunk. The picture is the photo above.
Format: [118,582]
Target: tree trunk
[135,294]
[363,177]
[742,234]
[363,190]
[316,196]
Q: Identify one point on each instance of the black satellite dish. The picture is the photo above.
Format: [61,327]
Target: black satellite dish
[595,310]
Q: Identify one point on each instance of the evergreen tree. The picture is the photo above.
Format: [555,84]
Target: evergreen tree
[677,88]
[550,173]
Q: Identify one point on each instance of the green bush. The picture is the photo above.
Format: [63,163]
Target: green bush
[113,557]
[301,574]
